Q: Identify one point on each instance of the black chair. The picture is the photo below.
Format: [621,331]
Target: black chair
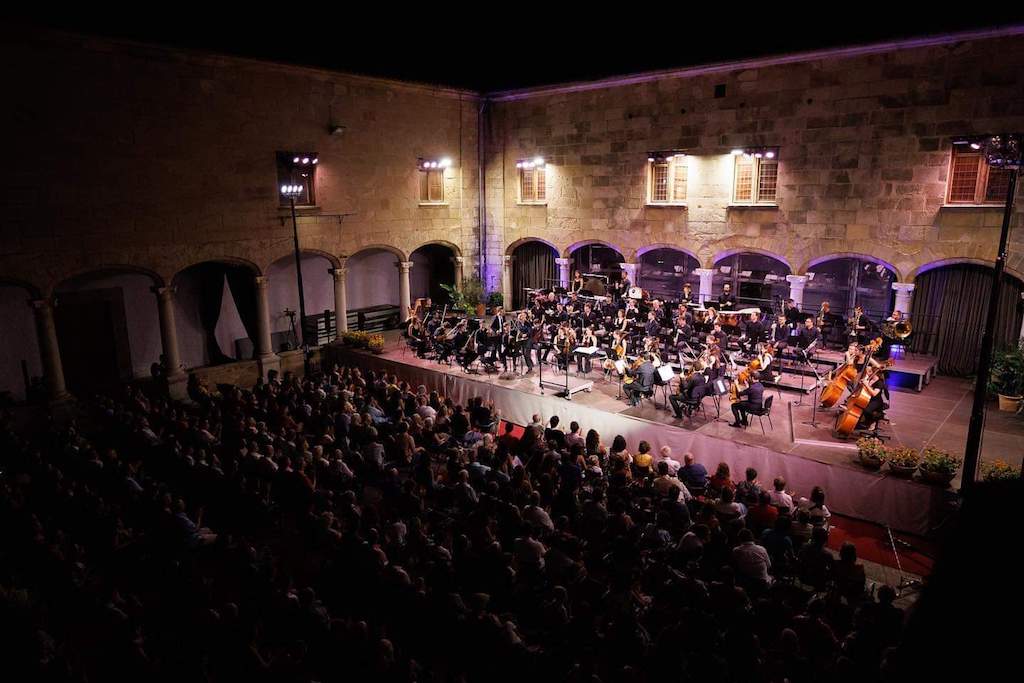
[763,412]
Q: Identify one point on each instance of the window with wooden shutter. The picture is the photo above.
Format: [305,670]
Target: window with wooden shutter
[432,186]
[744,185]
[680,173]
[973,181]
[767,179]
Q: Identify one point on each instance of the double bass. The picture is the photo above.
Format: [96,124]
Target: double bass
[845,377]
[862,393]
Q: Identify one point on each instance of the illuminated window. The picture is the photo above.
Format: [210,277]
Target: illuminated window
[667,178]
[755,179]
[432,186]
[532,184]
[972,181]
[298,168]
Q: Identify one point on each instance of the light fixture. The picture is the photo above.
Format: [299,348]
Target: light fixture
[736,152]
[291,191]
[665,155]
[757,152]
[431,164]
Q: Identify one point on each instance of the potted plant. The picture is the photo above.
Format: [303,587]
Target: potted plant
[872,452]
[998,470]
[469,298]
[1007,377]
[939,466]
[495,299]
[903,461]
[375,343]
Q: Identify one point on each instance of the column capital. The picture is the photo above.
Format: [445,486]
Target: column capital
[164,293]
[904,286]
[404,266]
[563,261]
[796,280]
[338,273]
[261,281]
[43,304]
[704,272]
[458,260]
[508,259]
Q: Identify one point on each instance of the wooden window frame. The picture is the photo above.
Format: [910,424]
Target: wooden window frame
[537,194]
[680,161]
[755,181]
[423,187]
[982,180]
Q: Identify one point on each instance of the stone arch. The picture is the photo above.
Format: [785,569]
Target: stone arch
[455,249]
[751,250]
[158,280]
[665,245]
[290,253]
[510,249]
[568,251]
[399,254]
[932,265]
[227,260]
[849,254]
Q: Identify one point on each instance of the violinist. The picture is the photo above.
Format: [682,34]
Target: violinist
[564,341]
[509,346]
[751,398]
[616,353]
[643,379]
[687,297]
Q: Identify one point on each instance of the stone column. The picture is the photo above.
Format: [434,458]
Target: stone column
[506,282]
[169,341]
[49,350]
[265,356]
[904,297]
[563,272]
[706,277]
[403,289]
[340,297]
[796,289]
[459,261]
[629,270]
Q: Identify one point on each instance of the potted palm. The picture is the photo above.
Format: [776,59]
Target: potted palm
[872,452]
[903,461]
[939,466]
[1006,379]
[469,298]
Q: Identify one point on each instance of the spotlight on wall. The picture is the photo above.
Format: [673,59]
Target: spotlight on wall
[535,162]
[665,155]
[301,159]
[1001,150]
[431,164]
[757,152]
[736,152]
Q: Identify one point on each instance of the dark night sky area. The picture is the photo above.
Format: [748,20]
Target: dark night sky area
[554,49]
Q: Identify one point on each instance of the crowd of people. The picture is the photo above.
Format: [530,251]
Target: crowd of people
[351,526]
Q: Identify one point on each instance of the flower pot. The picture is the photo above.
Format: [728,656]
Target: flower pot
[872,462]
[904,471]
[480,310]
[1009,404]
[936,477]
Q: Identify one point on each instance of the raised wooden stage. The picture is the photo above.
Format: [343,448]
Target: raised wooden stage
[790,446]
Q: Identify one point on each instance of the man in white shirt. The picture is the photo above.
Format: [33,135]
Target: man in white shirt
[665,481]
[425,410]
[751,560]
[666,457]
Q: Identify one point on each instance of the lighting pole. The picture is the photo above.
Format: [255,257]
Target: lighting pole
[291,192]
[1000,151]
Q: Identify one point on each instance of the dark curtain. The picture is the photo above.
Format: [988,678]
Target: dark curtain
[533,266]
[211,293]
[949,311]
[243,289]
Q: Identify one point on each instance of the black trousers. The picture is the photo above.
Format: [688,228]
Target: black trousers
[634,392]
[740,410]
[528,354]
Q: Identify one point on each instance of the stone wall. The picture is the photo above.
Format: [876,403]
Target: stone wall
[864,144]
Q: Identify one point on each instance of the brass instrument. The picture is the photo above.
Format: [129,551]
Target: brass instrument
[900,330]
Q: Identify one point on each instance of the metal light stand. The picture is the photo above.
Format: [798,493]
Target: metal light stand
[904,583]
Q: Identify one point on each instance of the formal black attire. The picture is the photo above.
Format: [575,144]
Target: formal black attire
[752,398]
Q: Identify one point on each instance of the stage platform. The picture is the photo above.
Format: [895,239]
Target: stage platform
[805,455]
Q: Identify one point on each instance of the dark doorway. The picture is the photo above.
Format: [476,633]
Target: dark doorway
[533,266]
[92,332]
[432,267]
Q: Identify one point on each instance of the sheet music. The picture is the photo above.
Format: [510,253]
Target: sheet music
[589,350]
[666,373]
[620,367]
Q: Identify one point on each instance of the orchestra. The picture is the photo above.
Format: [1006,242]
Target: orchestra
[631,333]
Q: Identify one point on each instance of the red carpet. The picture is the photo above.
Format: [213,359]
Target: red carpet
[871,540]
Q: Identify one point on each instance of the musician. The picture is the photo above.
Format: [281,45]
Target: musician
[632,310]
[469,347]
[577,283]
[875,409]
[683,332]
[711,359]
[417,337]
[753,333]
[588,318]
[896,317]
[687,297]
[752,398]
[652,328]
[793,315]
[718,335]
[563,343]
[862,325]
[726,300]
[616,352]
[509,346]
[620,287]
[524,340]
[809,336]
[643,380]
[589,339]
[691,391]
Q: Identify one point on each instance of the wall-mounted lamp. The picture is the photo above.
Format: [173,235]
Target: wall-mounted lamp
[757,152]
[431,164]
[535,162]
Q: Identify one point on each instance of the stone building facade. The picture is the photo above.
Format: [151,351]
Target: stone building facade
[145,160]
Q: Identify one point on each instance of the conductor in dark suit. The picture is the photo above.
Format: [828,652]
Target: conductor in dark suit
[643,381]
[751,398]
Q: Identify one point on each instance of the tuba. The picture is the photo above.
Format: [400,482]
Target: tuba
[900,330]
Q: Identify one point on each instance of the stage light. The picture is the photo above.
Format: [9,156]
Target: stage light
[736,152]
[295,160]
[975,145]
[538,161]
[770,154]
[446,162]
[316,160]
[651,159]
